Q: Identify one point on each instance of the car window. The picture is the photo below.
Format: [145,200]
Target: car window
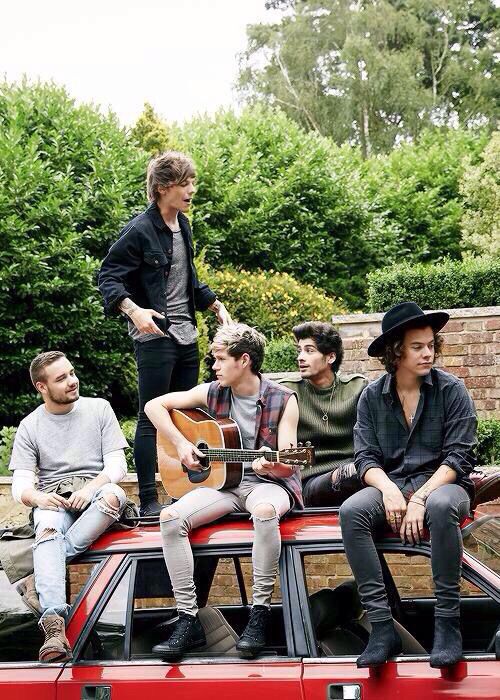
[340,624]
[106,640]
[482,540]
[20,637]
[226,589]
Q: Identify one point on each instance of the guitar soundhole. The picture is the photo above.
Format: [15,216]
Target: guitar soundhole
[198,477]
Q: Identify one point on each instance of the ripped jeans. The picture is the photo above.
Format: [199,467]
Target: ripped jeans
[204,505]
[61,535]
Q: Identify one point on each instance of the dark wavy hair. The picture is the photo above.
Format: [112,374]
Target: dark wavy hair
[393,350]
[325,336]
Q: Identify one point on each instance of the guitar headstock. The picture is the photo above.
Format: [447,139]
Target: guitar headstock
[301,455]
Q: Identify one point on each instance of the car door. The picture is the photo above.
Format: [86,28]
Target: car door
[21,674]
[330,674]
[113,656]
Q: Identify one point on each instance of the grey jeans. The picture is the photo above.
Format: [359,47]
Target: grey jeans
[204,505]
[363,514]
[61,535]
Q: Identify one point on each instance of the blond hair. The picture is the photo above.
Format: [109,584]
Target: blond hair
[169,168]
[237,339]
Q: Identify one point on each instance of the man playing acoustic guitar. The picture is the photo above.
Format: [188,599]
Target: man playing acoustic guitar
[267,416]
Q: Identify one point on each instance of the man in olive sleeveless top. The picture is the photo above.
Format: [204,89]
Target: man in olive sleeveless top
[327,414]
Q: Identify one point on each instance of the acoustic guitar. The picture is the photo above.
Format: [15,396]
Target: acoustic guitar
[220,442]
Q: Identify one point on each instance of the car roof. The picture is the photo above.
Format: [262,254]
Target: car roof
[307,526]
[235,530]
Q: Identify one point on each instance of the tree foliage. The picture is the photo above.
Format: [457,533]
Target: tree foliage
[69,179]
[271,196]
[151,133]
[376,71]
[480,188]
[416,191]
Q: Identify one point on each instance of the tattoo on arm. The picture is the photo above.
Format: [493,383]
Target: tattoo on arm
[128,307]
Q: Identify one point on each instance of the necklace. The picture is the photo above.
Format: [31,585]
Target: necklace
[325,414]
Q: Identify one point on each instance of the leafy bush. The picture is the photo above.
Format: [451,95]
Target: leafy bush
[480,188]
[451,284]
[69,180]
[128,426]
[7,435]
[271,301]
[281,356]
[488,438]
[416,191]
[273,197]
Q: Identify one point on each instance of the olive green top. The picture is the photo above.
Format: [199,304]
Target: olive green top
[332,438]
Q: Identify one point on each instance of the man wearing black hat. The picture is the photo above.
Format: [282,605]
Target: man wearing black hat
[414,450]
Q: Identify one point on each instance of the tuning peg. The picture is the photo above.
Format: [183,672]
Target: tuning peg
[300,444]
[308,443]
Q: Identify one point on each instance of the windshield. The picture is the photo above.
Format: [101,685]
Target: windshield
[482,540]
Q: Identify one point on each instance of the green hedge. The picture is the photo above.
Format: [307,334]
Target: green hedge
[448,285]
[281,356]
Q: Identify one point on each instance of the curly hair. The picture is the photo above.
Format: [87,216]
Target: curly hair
[393,351]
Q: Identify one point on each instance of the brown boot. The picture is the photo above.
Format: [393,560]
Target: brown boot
[27,591]
[56,647]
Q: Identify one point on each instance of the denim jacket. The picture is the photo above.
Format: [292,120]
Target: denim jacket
[138,263]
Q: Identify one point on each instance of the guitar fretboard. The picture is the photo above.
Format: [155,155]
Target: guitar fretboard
[229,455]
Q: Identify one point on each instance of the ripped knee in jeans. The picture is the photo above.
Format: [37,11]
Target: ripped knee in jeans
[168,514]
[46,535]
[263,512]
[109,504]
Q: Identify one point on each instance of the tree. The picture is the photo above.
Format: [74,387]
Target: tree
[416,191]
[480,187]
[69,180]
[375,72]
[273,197]
[151,133]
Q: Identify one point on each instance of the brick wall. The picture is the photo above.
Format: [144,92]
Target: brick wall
[471,351]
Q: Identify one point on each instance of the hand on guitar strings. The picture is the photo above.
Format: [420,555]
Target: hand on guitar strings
[188,454]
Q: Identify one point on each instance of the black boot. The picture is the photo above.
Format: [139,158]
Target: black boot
[253,638]
[447,647]
[188,634]
[150,508]
[383,643]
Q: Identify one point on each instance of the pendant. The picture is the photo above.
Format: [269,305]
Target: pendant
[324,417]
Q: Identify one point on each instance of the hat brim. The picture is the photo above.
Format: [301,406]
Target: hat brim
[435,319]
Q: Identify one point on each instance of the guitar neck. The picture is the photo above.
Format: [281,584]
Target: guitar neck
[229,455]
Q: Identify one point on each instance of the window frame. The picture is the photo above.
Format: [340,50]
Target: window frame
[299,550]
[131,559]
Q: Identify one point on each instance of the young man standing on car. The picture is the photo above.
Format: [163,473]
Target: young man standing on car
[267,415]
[74,448]
[414,449]
[327,414]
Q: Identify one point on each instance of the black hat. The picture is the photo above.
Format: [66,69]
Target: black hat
[399,317]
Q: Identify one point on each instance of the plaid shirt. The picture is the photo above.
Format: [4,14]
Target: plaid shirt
[443,432]
[270,406]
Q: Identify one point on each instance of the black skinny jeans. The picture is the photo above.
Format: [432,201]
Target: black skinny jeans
[363,514]
[163,366]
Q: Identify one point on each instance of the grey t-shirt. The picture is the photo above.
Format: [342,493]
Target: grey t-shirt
[182,328]
[55,446]
[243,412]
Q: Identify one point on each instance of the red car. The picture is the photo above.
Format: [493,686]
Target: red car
[125,606]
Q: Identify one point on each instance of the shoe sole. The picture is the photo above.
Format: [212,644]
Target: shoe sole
[249,653]
[55,655]
[175,655]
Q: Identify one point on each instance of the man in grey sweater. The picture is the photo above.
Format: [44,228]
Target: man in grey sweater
[67,460]
[327,413]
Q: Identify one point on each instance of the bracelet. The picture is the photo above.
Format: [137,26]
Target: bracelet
[419,502]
